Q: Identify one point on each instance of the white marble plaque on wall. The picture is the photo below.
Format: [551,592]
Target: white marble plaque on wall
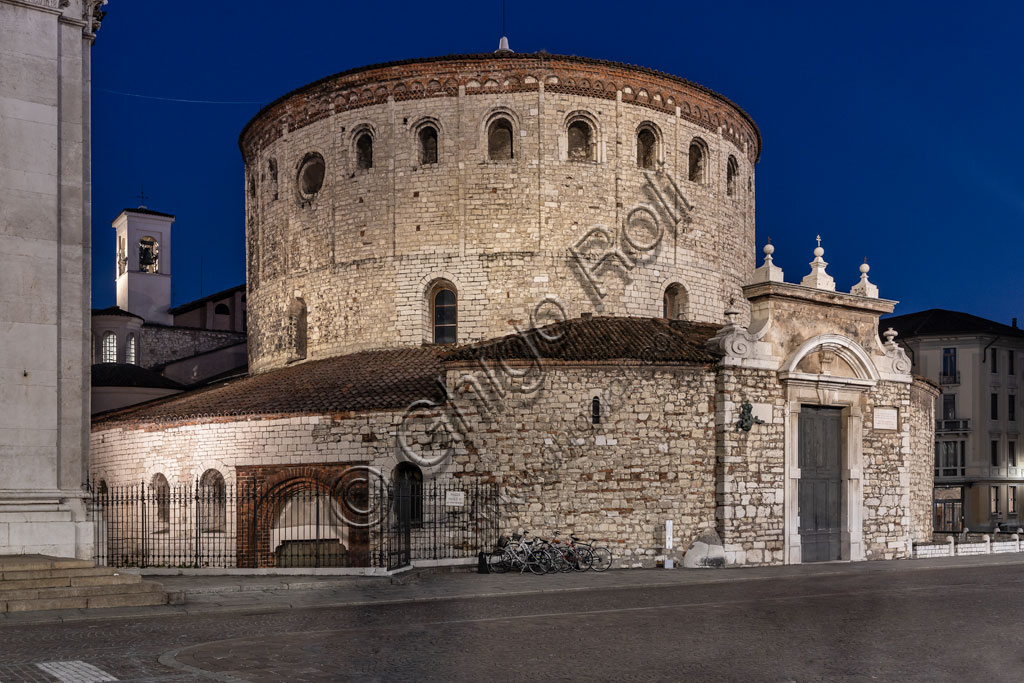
[886,418]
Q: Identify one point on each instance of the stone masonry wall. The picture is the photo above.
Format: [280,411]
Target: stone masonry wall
[922,472]
[888,464]
[160,344]
[650,459]
[750,468]
[363,252]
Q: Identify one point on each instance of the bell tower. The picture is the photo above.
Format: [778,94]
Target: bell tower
[143,249]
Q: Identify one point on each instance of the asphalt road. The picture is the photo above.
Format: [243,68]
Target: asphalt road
[949,624]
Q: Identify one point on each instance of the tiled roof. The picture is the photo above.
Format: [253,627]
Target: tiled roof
[393,379]
[938,321]
[369,380]
[652,340]
[114,310]
[129,375]
[190,305]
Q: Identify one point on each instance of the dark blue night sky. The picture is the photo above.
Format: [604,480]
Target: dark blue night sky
[890,128]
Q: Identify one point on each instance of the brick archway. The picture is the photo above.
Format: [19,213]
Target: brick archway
[265,490]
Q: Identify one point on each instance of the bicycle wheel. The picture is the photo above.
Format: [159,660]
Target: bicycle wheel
[499,561]
[602,559]
[566,559]
[538,562]
[586,558]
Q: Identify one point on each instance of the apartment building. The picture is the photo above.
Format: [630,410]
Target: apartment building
[979,467]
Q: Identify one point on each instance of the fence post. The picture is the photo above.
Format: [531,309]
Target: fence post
[142,502]
[316,497]
[199,524]
[254,526]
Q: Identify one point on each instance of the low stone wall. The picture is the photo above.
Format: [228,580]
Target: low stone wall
[972,546]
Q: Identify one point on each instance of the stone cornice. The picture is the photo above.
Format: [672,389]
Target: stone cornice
[825,298]
[488,74]
[50,6]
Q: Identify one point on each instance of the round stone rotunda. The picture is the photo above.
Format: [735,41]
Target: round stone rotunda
[535,276]
[370,191]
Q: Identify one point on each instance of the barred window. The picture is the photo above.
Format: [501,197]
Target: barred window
[129,350]
[109,347]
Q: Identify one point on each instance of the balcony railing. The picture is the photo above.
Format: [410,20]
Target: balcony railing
[953,378]
[958,425]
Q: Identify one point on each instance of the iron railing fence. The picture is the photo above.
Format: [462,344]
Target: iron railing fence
[383,524]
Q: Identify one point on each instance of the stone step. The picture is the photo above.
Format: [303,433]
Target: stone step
[22,563]
[30,583]
[107,579]
[79,591]
[147,593]
[54,573]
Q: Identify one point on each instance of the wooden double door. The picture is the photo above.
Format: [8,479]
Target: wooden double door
[821,485]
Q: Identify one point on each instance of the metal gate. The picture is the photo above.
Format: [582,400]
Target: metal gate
[820,491]
[400,538]
[298,523]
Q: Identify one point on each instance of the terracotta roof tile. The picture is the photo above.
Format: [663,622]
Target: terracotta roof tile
[393,379]
[600,339]
[370,380]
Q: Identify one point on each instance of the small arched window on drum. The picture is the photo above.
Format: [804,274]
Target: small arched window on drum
[428,145]
[580,135]
[364,152]
[732,169]
[499,140]
[445,315]
[646,149]
[698,160]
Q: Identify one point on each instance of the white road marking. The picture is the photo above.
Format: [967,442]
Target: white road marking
[75,671]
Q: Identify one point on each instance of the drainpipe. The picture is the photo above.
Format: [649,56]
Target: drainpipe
[984,351]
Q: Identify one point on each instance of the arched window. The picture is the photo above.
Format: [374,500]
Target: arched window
[296,330]
[579,134]
[698,161]
[732,169]
[444,312]
[109,348]
[408,480]
[129,350]
[212,501]
[221,309]
[149,255]
[364,152]
[272,170]
[674,302]
[499,140]
[122,255]
[428,145]
[160,496]
[595,410]
[646,149]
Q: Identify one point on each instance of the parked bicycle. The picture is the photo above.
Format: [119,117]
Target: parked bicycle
[518,553]
[541,556]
